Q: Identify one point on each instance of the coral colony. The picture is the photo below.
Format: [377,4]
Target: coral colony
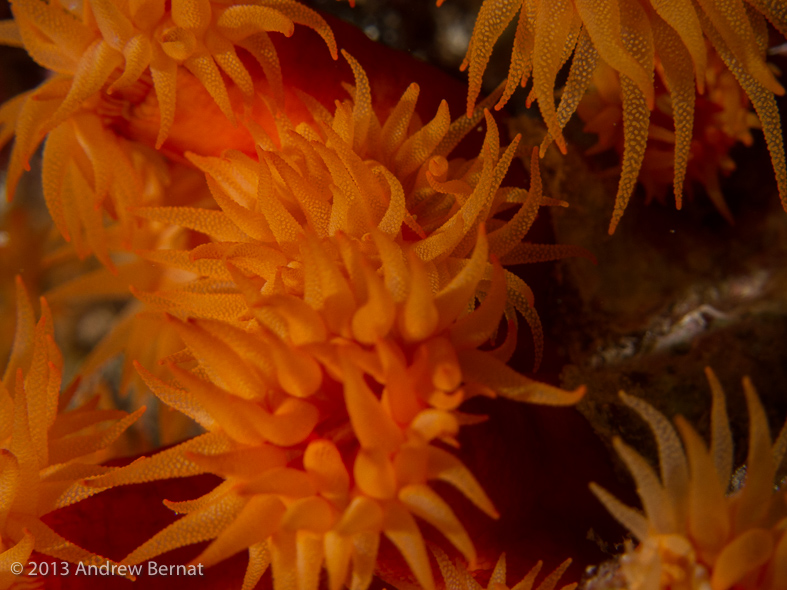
[317,265]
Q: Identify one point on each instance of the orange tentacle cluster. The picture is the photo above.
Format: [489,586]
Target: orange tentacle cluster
[692,534]
[45,450]
[631,37]
[457,577]
[405,360]
[337,298]
[722,120]
[333,335]
[104,48]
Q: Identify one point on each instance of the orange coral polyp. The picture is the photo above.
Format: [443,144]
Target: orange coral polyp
[119,67]
[692,534]
[395,433]
[332,312]
[458,577]
[345,308]
[102,37]
[45,451]
[632,37]
[723,118]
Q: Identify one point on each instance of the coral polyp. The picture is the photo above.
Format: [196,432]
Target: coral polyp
[107,46]
[723,120]
[315,486]
[635,39]
[341,337]
[457,577]
[295,309]
[46,450]
[693,534]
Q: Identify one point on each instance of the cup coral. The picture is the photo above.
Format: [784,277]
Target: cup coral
[634,39]
[276,411]
[457,577]
[323,301]
[723,120]
[102,43]
[328,313]
[47,449]
[106,55]
[316,268]
[693,534]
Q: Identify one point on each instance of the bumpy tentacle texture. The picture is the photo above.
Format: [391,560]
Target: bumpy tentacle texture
[323,411]
[632,38]
[45,451]
[129,335]
[119,43]
[332,336]
[723,119]
[351,174]
[106,53]
[457,577]
[692,534]
[90,176]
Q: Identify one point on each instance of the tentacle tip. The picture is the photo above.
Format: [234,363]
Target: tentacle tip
[560,141]
[111,267]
